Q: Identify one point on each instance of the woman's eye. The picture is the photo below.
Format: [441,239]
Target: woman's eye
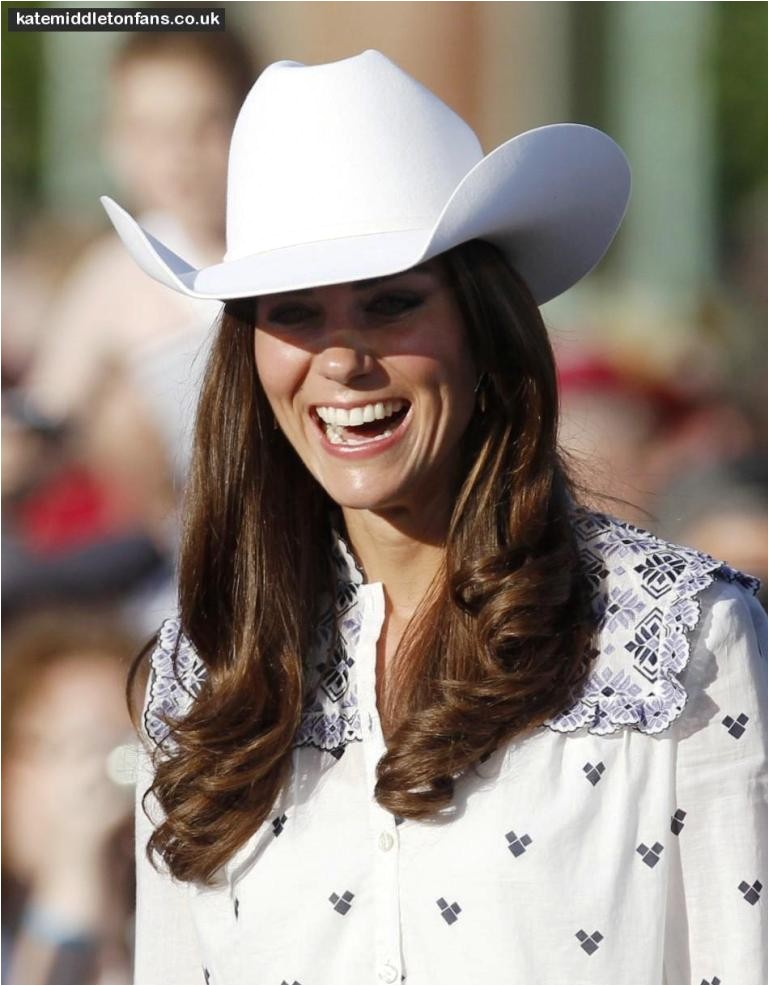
[394,303]
[290,314]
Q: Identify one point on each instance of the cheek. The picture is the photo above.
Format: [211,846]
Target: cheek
[455,374]
[281,367]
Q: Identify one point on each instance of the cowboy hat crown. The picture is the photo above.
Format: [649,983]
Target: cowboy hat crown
[353,170]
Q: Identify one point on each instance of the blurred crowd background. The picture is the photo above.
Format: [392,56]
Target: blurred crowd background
[661,351]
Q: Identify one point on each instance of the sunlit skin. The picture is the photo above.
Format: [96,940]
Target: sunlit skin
[345,345]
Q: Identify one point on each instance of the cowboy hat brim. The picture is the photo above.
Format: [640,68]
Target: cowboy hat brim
[552,199]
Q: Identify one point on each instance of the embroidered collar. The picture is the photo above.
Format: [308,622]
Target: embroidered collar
[330,717]
[644,595]
[644,599]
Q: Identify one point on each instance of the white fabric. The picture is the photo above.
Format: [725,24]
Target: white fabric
[575,855]
[354,170]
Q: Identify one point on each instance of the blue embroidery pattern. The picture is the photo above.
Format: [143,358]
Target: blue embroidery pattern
[177,675]
[644,598]
[645,601]
[330,717]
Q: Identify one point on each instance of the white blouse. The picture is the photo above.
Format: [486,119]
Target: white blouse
[622,842]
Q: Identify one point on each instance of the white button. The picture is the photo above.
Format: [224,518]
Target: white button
[388,973]
[386,842]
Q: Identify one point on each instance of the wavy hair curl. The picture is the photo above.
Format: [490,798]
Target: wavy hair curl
[499,644]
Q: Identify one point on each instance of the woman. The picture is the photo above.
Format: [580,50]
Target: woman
[67,833]
[421,717]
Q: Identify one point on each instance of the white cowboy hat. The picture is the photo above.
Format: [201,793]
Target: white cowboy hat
[354,170]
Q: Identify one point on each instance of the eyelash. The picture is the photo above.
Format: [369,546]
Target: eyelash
[380,306]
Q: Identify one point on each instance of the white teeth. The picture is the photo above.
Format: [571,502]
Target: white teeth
[343,418]
[335,436]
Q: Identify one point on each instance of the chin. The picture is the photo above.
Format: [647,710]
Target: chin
[367,496]
[360,501]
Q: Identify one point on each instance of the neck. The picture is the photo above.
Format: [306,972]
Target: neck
[401,554]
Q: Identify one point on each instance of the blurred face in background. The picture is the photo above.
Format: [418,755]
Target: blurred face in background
[169,128]
[58,799]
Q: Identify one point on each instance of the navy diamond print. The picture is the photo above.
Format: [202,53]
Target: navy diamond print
[345,594]
[278,824]
[677,821]
[517,846]
[594,569]
[736,727]
[707,982]
[650,856]
[336,678]
[660,570]
[645,644]
[398,819]
[588,524]
[593,773]
[751,893]
[338,753]
[342,904]
[449,912]
[588,942]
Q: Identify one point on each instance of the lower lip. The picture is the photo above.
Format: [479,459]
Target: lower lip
[363,451]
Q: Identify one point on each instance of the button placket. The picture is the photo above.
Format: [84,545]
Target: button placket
[384,838]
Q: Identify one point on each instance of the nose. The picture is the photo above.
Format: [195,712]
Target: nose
[346,354]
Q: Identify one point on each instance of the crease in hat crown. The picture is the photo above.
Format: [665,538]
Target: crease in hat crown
[323,152]
[354,169]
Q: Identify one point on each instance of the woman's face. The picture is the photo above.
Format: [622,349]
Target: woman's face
[373,384]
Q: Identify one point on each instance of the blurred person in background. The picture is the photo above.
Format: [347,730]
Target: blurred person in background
[113,375]
[35,269]
[631,433]
[612,424]
[721,509]
[66,808]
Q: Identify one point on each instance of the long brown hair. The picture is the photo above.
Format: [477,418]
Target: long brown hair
[497,646]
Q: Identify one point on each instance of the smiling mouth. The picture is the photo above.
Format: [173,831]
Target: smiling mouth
[361,425]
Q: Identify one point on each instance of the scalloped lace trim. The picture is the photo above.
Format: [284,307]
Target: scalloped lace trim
[177,676]
[645,601]
[644,597]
